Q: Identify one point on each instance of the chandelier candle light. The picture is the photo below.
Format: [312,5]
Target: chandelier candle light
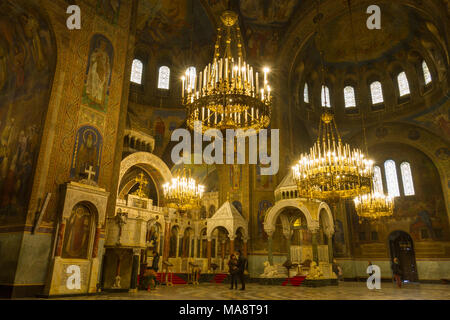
[228,93]
[183,192]
[332,170]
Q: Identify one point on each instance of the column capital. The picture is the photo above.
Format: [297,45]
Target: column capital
[314,227]
[232,237]
[269,232]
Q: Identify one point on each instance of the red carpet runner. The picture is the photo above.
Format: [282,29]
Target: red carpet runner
[295,281]
[176,279]
[219,278]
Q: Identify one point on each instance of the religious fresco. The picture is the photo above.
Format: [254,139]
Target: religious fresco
[443,153]
[211,210]
[109,9]
[262,43]
[339,238]
[272,12]
[238,206]
[235,176]
[436,119]
[263,206]
[77,233]
[87,154]
[263,182]
[98,73]
[164,22]
[27,62]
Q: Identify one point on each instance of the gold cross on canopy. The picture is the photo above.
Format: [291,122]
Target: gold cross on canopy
[142,183]
[90,172]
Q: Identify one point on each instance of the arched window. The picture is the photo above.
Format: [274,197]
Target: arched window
[403,85]
[408,185]
[426,73]
[376,91]
[349,97]
[377,180]
[326,97]
[136,71]
[391,178]
[306,93]
[191,74]
[164,78]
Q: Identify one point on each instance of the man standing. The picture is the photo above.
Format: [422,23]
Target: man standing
[397,271]
[242,266]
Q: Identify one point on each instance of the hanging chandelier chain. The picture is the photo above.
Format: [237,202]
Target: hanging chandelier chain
[321,51]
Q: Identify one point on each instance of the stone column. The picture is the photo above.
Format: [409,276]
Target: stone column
[287,237]
[222,246]
[231,244]
[315,250]
[96,241]
[190,247]
[135,270]
[166,242]
[330,247]
[216,244]
[60,239]
[269,246]
[177,254]
[208,251]
[244,248]
[195,247]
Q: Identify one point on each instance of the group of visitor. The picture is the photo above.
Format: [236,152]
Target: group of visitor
[237,267]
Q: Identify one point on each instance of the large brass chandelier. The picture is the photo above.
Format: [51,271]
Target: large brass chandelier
[374,205]
[183,192]
[332,170]
[227,94]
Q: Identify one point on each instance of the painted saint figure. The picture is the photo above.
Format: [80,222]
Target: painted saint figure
[77,233]
[87,152]
[98,74]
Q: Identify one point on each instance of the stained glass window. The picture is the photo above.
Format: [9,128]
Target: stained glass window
[377,180]
[164,78]
[391,178]
[136,71]
[408,185]
[403,85]
[191,73]
[376,92]
[326,97]
[426,73]
[349,97]
[306,93]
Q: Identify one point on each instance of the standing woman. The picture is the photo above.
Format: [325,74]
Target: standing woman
[397,271]
[233,269]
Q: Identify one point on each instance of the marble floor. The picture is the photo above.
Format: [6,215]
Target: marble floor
[345,291]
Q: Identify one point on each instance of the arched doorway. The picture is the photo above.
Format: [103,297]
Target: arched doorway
[402,247]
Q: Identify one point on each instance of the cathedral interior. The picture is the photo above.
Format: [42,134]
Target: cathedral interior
[88,115]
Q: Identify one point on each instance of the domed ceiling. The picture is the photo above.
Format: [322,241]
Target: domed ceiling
[371,44]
